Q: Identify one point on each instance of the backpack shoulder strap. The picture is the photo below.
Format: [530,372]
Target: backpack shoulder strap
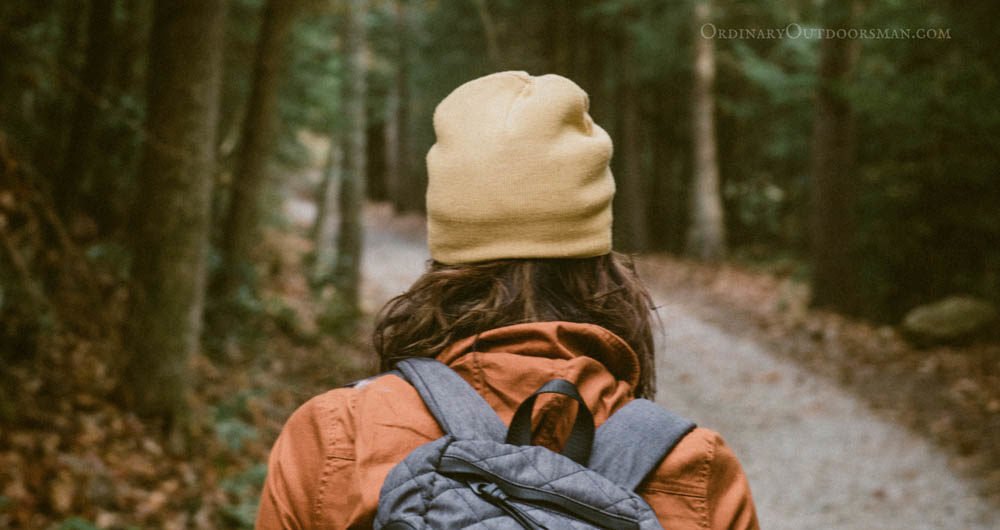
[633,441]
[457,407]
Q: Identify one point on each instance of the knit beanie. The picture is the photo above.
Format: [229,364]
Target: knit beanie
[519,170]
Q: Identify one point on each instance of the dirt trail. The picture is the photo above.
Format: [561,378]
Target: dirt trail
[815,455]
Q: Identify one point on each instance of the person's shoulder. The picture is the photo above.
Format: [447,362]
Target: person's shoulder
[688,469]
[323,421]
[331,415]
[701,484]
[342,401]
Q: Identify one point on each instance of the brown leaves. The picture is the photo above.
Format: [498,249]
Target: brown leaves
[70,449]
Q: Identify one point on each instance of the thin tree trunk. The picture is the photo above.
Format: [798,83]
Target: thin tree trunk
[96,67]
[706,238]
[257,141]
[631,218]
[833,151]
[173,206]
[324,224]
[58,112]
[375,181]
[490,33]
[559,37]
[410,197]
[111,182]
[664,210]
[347,269]
[403,185]
[392,134]
[132,43]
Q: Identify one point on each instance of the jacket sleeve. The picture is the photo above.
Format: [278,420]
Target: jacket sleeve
[730,504]
[305,466]
[701,484]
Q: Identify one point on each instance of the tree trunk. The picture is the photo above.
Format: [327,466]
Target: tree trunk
[326,197]
[375,181]
[347,269]
[560,37]
[97,65]
[172,211]
[393,132]
[666,203]
[706,238]
[490,34]
[833,151]
[111,181]
[412,184]
[257,141]
[631,217]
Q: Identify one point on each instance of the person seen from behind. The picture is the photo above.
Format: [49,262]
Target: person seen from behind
[523,288]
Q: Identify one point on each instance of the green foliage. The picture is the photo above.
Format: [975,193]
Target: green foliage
[111,256]
[234,432]
[929,225]
[244,486]
[310,97]
[76,523]
[232,425]
[338,318]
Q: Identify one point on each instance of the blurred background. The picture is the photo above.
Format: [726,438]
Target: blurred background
[203,202]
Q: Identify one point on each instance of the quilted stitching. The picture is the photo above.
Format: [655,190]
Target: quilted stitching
[416,486]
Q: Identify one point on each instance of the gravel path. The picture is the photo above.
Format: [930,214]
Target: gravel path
[816,456]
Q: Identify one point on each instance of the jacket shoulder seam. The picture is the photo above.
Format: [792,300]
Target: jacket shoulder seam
[334,449]
[706,477]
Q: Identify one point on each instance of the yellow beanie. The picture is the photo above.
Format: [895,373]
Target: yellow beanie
[519,170]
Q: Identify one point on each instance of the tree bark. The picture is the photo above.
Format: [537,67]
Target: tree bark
[669,209]
[257,141]
[631,213]
[326,197]
[560,37]
[375,185]
[173,206]
[347,268]
[393,132]
[490,34]
[403,184]
[833,182]
[110,184]
[96,67]
[706,237]
[412,184]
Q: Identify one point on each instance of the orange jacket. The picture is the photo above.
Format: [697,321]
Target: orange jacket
[329,462]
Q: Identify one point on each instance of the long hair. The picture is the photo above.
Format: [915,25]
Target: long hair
[452,302]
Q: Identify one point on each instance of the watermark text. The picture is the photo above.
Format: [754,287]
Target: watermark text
[798,31]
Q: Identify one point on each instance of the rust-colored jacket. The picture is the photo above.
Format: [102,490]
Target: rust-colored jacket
[330,460]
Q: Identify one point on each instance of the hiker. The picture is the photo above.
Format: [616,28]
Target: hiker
[523,294]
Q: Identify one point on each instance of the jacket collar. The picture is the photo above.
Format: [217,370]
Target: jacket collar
[554,340]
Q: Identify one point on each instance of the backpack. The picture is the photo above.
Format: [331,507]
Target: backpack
[482,475]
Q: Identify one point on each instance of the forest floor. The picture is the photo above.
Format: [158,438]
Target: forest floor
[839,423]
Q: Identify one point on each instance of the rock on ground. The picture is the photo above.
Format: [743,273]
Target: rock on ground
[955,318]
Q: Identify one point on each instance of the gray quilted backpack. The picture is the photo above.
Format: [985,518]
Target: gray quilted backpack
[482,475]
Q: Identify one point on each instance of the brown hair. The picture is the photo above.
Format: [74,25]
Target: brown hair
[452,302]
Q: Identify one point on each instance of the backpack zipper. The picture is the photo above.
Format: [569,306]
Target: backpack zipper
[451,465]
[496,496]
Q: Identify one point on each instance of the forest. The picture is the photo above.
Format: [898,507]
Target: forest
[191,192]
